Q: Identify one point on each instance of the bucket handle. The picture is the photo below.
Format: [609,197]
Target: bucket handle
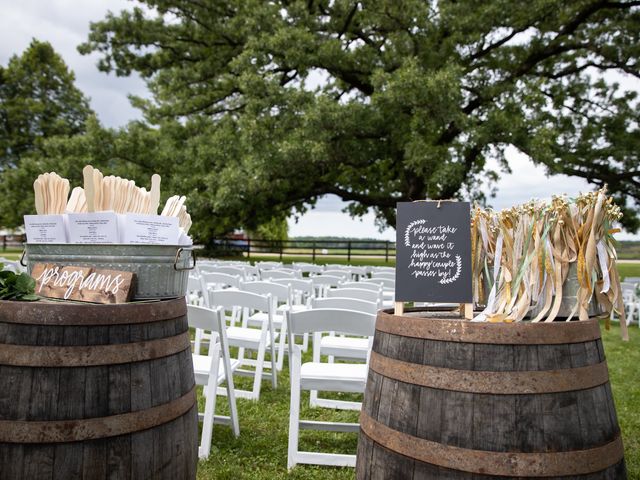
[175,262]
[24,253]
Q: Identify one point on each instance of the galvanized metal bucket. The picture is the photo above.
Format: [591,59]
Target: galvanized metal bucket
[162,271]
[570,298]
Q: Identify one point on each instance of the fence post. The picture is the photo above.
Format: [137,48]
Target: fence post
[349,251]
[386,252]
[248,247]
[4,243]
[281,242]
[313,255]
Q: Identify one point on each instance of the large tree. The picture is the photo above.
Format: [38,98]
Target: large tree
[384,100]
[38,100]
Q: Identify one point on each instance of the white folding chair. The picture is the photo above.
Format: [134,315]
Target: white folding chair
[279,294]
[383,274]
[308,268]
[358,293]
[261,340]
[276,273]
[195,295]
[336,377]
[234,270]
[341,347]
[303,292]
[268,265]
[211,371]
[321,283]
[344,274]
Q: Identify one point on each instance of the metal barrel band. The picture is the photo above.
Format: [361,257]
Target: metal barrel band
[68,313]
[58,431]
[510,464]
[92,355]
[521,333]
[498,382]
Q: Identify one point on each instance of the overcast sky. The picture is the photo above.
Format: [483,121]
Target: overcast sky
[65,24]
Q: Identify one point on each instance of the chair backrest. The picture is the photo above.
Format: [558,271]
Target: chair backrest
[279,273]
[194,284]
[205,318]
[279,292]
[268,265]
[330,280]
[221,279]
[357,293]
[206,267]
[307,268]
[389,275]
[297,284]
[337,320]
[346,304]
[344,274]
[236,270]
[383,269]
[387,283]
[376,287]
[237,298]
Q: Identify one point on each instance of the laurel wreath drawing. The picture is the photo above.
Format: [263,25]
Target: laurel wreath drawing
[407,242]
[446,280]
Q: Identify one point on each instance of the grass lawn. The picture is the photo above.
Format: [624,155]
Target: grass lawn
[261,450]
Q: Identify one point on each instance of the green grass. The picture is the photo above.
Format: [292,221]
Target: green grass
[11,253]
[261,450]
[628,269]
[623,360]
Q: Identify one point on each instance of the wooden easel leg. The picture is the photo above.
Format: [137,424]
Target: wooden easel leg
[398,308]
[466,311]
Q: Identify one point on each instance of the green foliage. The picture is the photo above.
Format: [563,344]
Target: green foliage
[38,100]
[15,286]
[414,97]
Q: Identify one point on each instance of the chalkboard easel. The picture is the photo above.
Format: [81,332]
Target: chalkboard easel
[433,254]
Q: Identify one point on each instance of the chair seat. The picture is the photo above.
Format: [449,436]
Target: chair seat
[202,367]
[246,337]
[348,347]
[334,377]
[260,317]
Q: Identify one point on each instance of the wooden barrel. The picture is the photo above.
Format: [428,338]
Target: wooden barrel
[96,391]
[447,398]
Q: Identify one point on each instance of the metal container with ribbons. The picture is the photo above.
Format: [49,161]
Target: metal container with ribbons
[447,398]
[162,271]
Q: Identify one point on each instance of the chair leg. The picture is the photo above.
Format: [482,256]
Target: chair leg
[210,406]
[281,346]
[294,410]
[257,379]
[198,341]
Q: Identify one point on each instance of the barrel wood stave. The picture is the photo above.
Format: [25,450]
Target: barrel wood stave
[458,420]
[166,450]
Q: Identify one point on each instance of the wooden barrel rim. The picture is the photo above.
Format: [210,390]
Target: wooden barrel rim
[70,313]
[495,382]
[92,355]
[520,333]
[512,464]
[12,431]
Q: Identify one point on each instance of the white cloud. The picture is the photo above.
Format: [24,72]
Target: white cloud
[65,24]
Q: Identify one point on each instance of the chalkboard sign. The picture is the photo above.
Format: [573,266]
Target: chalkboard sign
[433,252]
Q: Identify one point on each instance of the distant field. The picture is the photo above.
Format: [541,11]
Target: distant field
[628,250]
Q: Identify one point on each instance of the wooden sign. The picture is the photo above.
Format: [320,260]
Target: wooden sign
[433,253]
[84,284]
